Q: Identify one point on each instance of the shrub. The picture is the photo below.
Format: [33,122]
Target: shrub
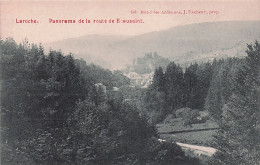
[190,117]
[182,111]
[165,153]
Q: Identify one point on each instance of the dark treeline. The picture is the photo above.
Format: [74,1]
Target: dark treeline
[52,113]
[176,88]
[229,89]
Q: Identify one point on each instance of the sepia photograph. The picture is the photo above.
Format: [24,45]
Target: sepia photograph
[120,82]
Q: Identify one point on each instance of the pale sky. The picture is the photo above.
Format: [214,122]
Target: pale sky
[47,32]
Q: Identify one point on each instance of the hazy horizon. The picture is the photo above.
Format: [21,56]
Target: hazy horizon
[129,36]
[182,44]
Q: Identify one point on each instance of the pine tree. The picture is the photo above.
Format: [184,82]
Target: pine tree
[238,140]
[190,83]
[159,79]
[222,85]
[174,86]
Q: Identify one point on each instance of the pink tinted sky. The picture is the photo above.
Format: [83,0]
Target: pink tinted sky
[46,32]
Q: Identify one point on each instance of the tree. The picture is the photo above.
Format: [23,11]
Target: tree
[155,97]
[45,121]
[238,140]
[191,85]
[38,94]
[174,86]
[159,79]
[222,85]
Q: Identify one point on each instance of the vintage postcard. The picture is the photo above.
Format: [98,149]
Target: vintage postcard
[130,82]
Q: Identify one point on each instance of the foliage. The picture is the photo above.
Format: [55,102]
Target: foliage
[38,95]
[166,153]
[222,85]
[181,112]
[174,89]
[52,113]
[238,140]
[96,74]
[190,117]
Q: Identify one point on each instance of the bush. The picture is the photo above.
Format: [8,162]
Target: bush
[181,112]
[191,117]
[165,153]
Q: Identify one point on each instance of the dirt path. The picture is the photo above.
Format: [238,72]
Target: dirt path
[200,150]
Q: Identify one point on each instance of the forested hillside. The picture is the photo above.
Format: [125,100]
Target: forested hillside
[228,89]
[55,110]
[239,106]
[185,44]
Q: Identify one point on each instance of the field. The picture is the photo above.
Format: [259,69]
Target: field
[199,134]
